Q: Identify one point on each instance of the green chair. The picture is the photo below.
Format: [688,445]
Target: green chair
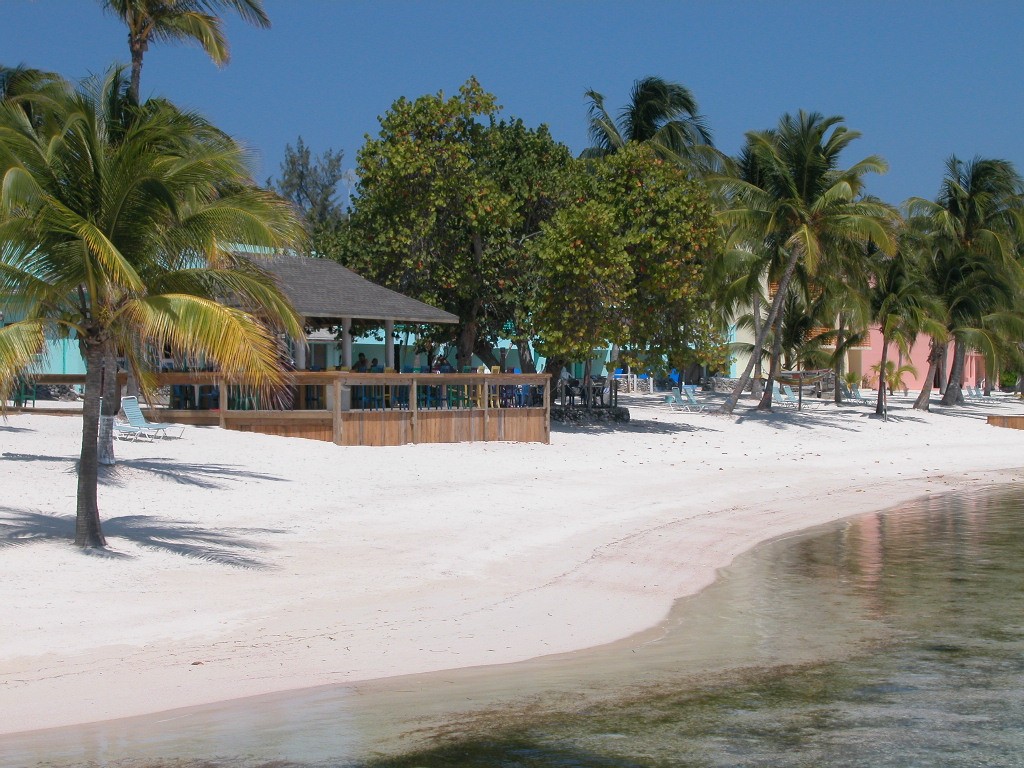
[24,391]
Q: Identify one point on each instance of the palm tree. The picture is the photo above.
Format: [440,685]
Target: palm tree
[180,21]
[901,308]
[801,208]
[117,231]
[976,228]
[659,113]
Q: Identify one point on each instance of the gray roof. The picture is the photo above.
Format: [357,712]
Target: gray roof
[321,289]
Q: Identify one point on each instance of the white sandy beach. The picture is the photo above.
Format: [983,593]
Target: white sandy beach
[243,564]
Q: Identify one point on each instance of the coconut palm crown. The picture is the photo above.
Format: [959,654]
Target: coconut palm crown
[800,208]
[659,112]
[116,225]
[180,21]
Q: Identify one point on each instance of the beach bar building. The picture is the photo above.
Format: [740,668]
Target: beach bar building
[325,399]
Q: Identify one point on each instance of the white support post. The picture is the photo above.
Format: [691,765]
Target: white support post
[389,345]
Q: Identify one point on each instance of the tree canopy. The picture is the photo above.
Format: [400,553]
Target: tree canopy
[115,226]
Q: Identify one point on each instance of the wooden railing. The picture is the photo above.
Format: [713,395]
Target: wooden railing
[361,408]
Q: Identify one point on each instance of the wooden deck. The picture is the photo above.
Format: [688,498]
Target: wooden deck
[363,408]
[1013,422]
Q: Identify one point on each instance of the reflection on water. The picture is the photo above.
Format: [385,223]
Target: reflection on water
[893,639]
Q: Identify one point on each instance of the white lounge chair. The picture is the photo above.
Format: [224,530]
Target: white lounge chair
[674,398]
[853,395]
[132,412]
[781,398]
[126,431]
[690,401]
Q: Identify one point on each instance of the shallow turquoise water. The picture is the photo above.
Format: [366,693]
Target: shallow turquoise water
[938,679]
[894,639]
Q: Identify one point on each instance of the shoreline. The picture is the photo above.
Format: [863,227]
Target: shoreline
[404,566]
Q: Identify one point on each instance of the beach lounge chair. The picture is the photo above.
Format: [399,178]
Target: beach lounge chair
[132,412]
[781,398]
[674,398]
[855,391]
[690,401]
[790,396]
[849,396]
[126,431]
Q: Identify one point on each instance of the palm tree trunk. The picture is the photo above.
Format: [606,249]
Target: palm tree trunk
[941,372]
[773,367]
[138,51]
[730,404]
[108,411]
[923,401]
[756,389]
[87,519]
[880,404]
[954,394]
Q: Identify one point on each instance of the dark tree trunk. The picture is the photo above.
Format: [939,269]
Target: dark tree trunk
[730,404]
[954,394]
[470,329]
[757,389]
[838,369]
[88,532]
[526,362]
[110,407]
[486,354]
[773,367]
[553,368]
[467,340]
[940,374]
[923,402]
[138,50]
[880,404]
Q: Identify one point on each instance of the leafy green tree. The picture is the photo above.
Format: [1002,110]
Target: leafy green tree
[976,227]
[659,112]
[448,196]
[311,185]
[798,207]
[587,278]
[644,289]
[113,228]
[180,21]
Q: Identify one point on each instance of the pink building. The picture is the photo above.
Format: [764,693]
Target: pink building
[861,359]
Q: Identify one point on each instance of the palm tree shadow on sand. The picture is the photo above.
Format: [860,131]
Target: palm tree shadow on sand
[228,546]
[200,475]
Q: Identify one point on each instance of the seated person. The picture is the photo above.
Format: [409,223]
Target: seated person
[360,365]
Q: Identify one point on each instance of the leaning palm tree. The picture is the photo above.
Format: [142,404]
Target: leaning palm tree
[801,207]
[180,21]
[976,227]
[901,307]
[118,233]
[660,113]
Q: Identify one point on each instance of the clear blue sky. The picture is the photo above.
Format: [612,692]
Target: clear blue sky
[919,80]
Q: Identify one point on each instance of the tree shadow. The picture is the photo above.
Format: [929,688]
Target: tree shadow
[791,418]
[634,426]
[185,473]
[12,430]
[200,475]
[228,546]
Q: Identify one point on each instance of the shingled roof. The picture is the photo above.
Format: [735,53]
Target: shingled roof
[323,290]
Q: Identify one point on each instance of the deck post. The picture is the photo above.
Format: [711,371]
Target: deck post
[413,410]
[486,397]
[222,402]
[336,416]
[547,411]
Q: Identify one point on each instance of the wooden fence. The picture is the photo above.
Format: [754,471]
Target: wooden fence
[361,408]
